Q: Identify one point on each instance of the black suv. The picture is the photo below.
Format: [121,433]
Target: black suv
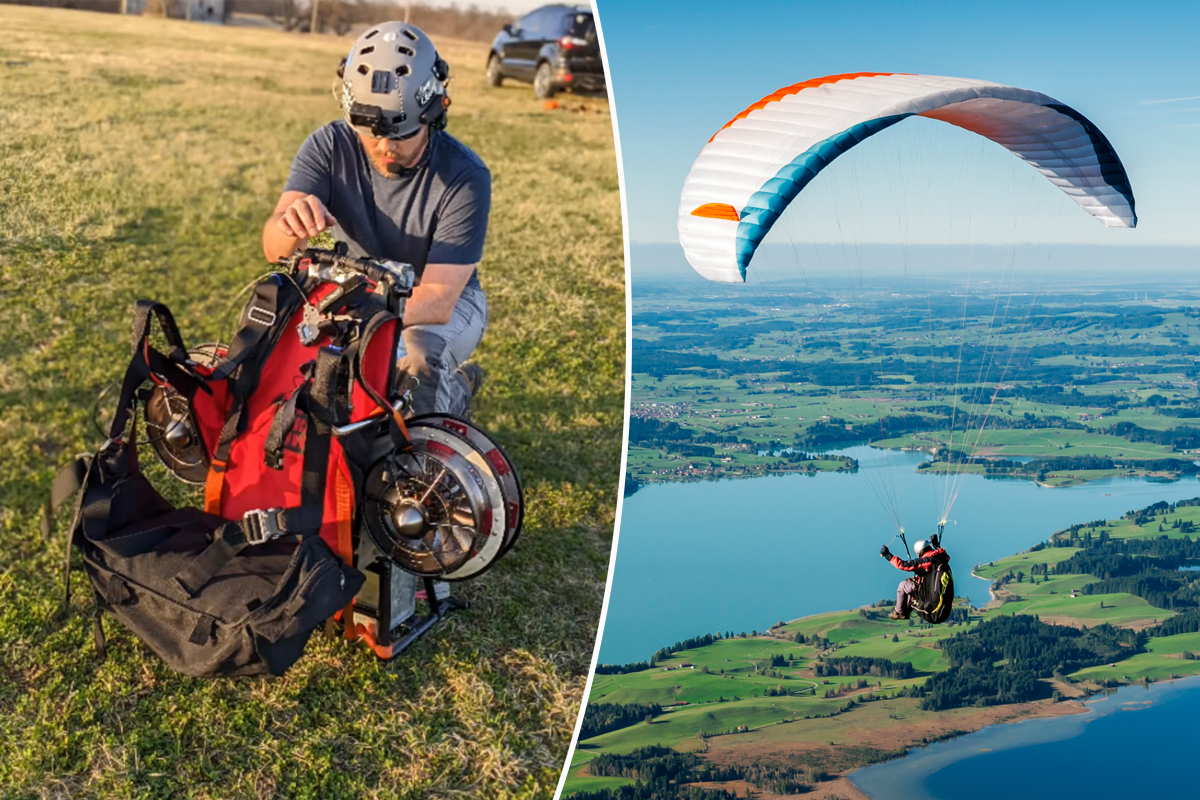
[554,48]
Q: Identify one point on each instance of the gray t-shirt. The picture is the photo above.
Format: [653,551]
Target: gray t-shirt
[433,213]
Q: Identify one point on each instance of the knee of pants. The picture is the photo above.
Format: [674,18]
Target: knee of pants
[419,363]
[424,354]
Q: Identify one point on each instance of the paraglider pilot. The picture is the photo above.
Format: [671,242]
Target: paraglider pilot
[927,556]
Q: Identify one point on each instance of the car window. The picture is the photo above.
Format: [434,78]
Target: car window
[548,23]
[581,26]
[528,23]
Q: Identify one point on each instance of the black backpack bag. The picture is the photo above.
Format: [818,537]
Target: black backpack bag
[934,599]
[212,598]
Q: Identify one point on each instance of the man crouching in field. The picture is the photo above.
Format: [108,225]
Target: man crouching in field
[393,184]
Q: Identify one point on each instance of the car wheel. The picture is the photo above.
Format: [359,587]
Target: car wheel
[494,76]
[543,82]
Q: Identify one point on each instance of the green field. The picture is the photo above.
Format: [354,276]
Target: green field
[139,157]
[833,367]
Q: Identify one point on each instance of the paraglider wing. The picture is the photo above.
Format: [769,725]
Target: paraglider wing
[754,166]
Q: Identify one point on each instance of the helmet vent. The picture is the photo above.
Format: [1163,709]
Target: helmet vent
[367,49]
[369,34]
[412,37]
[406,51]
[363,69]
[402,70]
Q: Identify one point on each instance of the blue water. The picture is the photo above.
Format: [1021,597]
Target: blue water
[739,555]
[1138,742]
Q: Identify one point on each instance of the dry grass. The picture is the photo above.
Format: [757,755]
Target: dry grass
[139,157]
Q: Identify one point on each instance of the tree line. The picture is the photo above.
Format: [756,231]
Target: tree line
[660,771]
[1145,568]
[662,654]
[604,717]
[863,665]
[1027,650]
[1183,437]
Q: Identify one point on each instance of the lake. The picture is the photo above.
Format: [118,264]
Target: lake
[1137,742]
[740,555]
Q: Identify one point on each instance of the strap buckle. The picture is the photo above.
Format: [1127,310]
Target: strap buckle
[262,525]
[260,315]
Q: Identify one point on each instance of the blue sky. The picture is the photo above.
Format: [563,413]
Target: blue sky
[680,70]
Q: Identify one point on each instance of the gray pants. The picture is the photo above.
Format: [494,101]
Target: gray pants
[432,353]
[904,593]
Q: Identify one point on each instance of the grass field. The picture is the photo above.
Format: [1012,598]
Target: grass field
[140,157]
[812,373]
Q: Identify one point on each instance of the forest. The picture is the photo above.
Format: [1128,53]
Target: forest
[1029,649]
[1187,622]
[659,771]
[1145,568]
[604,717]
[659,655]
[686,644]
[861,665]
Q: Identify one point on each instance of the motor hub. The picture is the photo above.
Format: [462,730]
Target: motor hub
[447,509]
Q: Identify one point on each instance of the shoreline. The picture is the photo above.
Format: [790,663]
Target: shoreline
[1083,709]
[1155,476]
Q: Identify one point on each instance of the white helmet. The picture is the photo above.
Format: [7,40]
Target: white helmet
[394,82]
[920,547]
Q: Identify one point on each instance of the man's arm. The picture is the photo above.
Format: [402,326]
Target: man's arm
[297,217]
[455,252]
[432,302]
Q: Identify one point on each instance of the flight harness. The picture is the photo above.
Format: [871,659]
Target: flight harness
[934,599]
[298,431]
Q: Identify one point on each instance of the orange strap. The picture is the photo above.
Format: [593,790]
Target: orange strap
[213,486]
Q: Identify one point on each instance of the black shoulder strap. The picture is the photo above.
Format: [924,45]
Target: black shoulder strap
[142,317]
[260,316]
[147,363]
[70,480]
[274,302]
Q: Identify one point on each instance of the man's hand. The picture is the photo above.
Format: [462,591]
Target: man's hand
[883,551]
[297,217]
[305,217]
